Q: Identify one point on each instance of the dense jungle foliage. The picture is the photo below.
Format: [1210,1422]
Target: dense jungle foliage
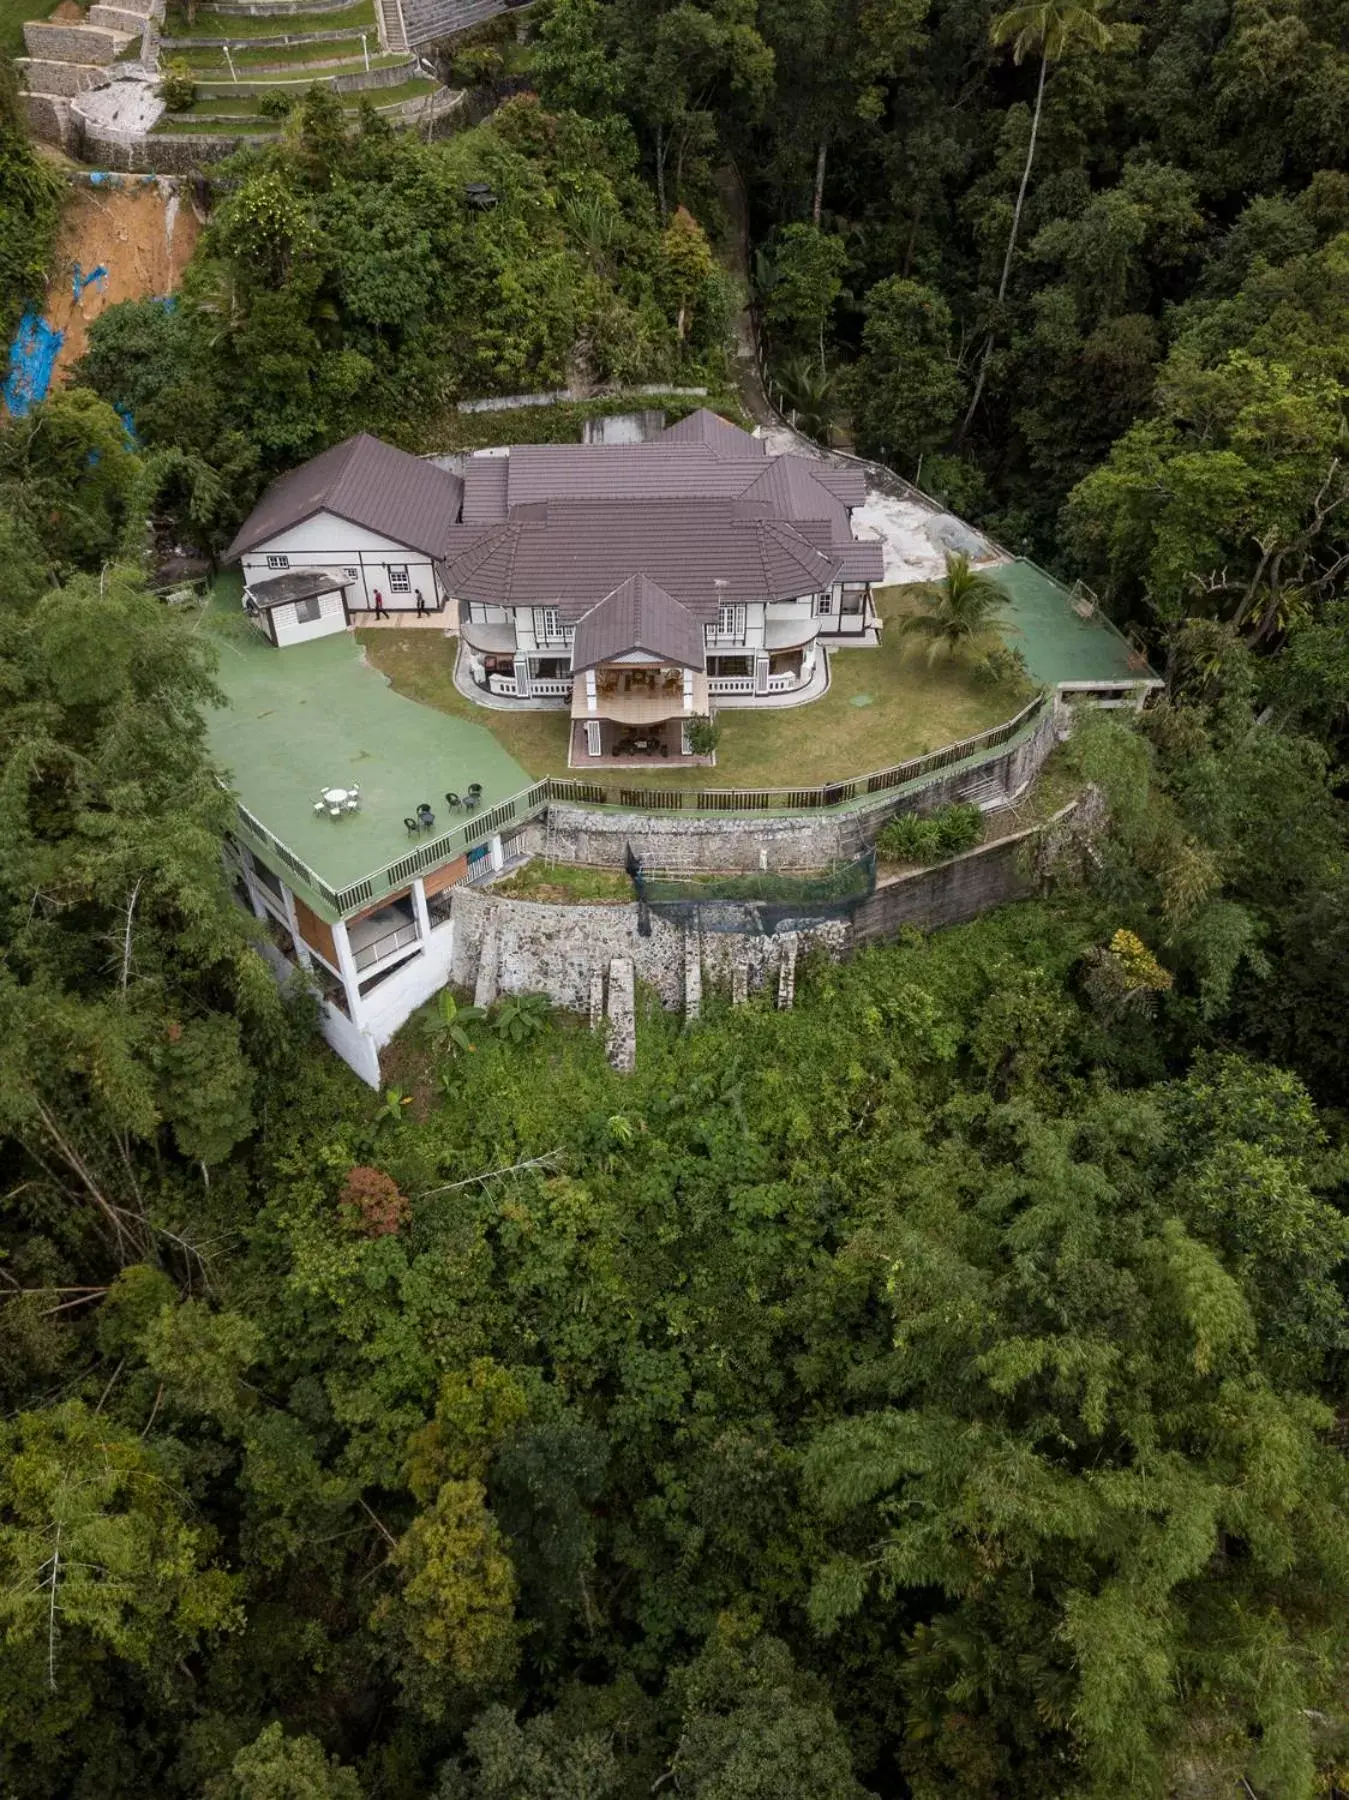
[938,1390]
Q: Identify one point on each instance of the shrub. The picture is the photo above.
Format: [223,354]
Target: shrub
[275,106]
[931,837]
[177,87]
[371,1202]
[704,735]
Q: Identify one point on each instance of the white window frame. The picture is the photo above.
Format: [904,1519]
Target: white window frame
[278,562]
[400,579]
[730,620]
[351,574]
[552,626]
[824,605]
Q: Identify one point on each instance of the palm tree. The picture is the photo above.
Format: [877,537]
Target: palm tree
[810,394]
[1054,28]
[958,609]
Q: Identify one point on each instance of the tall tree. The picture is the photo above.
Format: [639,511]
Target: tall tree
[1055,28]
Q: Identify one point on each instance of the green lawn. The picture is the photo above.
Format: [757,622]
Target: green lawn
[565,884]
[229,25]
[209,61]
[14,14]
[883,706]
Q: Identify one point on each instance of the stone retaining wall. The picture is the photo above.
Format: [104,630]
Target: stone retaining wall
[63,78]
[165,154]
[49,42]
[556,950]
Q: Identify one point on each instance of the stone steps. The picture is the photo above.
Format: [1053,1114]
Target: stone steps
[391,28]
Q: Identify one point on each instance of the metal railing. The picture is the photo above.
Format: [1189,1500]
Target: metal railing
[370,954]
[854,792]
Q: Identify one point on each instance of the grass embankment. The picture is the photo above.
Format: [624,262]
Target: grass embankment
[208,62]
[360,17]
[14,15]
[566,884]
[883,706]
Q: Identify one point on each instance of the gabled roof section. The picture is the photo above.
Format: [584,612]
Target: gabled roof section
[725,440]
[638,616]
[700,551]
[486,483]
[368,483]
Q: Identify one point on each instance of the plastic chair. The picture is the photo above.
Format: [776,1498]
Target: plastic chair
[453,802]
[425,817]
[413,825]
[320,806]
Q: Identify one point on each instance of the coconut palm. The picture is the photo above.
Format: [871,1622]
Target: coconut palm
[810,394]
[1055,28]
[956,610]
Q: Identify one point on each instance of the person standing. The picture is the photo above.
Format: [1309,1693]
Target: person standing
[421,604]
[379,605]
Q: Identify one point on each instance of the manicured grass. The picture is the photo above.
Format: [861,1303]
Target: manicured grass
[295,77]
[565,884]
[222,25]
[14,14]
[210,62]
[911,706]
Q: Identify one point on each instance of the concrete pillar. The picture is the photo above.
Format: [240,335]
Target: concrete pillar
[346,962]
[693,974]
[423,917]
[740,981]
[485,988]
[522,677]
[787,971]
[761,674]
[596,999]
[592,692]
[622,1016]
[301,950]
[495,854]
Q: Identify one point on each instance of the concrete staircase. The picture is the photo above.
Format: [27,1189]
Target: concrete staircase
[392,30]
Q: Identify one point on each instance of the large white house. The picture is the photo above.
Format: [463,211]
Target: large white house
[638,584]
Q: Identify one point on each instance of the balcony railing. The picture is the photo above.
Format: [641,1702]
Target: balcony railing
[550,687]
[730,684]
[384,947]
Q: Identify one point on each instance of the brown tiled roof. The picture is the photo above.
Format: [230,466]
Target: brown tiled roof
[368,483]
[485,483]
[638,615]
[721,437]
[699,551]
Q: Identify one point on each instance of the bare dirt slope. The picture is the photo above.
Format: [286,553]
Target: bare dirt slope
[139,230]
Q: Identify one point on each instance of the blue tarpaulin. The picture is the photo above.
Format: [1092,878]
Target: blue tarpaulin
[32,357]
[81,281]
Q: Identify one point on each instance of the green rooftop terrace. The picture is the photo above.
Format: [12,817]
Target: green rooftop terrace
[314,716]
[1058,643]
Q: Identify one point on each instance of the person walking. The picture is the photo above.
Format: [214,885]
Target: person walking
[379,605]
[421,604]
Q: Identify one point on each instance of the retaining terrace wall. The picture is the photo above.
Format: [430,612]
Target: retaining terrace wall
[555,950]
[771,840]
[952,893]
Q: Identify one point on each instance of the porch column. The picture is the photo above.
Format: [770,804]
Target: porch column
[761,674]
[420,913]
[688,690]
[495,854]
[522,677]
[594,739]
[592,692]
[346,962]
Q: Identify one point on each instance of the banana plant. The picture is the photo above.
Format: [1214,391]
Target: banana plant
[448,1028]
[521,1017]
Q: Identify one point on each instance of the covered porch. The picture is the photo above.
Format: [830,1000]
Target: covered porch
[610,744]
[631,713]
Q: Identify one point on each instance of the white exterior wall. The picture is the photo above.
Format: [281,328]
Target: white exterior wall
[327,542]
[791,612]
[289,630]
[384,1009]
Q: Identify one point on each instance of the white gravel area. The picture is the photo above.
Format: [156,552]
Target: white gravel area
[916,540]
[128,105]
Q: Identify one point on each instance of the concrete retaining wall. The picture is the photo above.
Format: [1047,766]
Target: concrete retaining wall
[160,155]
[949,894]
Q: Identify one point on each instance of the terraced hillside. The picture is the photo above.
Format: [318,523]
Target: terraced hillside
[247,67]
